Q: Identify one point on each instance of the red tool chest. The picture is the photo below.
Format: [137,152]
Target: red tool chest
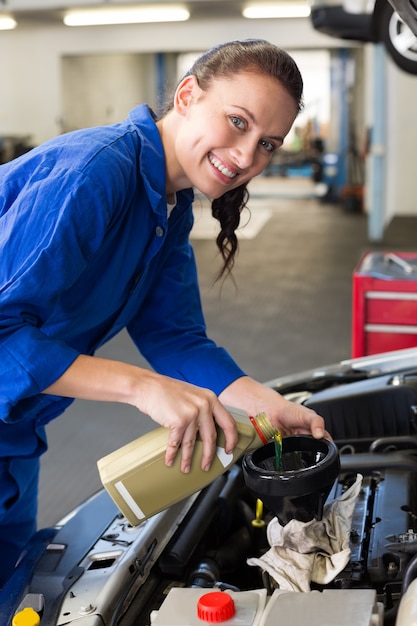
[384,307]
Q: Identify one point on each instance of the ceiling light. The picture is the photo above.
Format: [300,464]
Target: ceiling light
[7,22]
[277,9]
[126,15]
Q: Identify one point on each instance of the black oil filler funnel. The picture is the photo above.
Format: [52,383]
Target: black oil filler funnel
[301,485]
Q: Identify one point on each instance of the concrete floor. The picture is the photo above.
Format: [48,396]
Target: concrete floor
[290,310]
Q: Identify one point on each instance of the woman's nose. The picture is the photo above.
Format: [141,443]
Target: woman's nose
[244,153]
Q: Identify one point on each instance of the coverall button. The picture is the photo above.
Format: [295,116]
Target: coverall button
[159,231]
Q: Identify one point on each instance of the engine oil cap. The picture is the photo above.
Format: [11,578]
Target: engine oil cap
[215,607]
[26,617]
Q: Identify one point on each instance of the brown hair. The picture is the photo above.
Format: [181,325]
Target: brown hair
[225,60]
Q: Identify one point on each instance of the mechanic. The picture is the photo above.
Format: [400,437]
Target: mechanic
[94,236]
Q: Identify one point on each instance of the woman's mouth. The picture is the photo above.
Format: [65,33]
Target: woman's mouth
[221,167]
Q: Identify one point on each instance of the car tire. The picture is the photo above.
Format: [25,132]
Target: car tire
[399,40]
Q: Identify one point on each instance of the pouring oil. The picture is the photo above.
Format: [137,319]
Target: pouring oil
[141,485]
[278,450]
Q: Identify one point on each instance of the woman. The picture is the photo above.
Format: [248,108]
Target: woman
[95,238]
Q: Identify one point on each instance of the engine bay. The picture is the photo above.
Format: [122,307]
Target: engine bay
[94,569]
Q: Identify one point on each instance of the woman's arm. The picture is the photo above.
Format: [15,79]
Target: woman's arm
[179,406]
[289,417]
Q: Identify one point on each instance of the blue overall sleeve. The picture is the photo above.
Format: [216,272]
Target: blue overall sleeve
[170,329]
[44,250]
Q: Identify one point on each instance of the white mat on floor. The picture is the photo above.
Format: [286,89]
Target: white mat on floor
[206,227]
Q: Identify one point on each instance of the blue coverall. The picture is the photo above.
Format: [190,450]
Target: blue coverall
[87,249]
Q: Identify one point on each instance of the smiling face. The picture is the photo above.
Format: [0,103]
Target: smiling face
[226,135]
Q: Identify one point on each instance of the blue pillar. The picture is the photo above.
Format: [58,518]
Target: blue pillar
[343,118]
[160,80]
[376,215]
[339,89]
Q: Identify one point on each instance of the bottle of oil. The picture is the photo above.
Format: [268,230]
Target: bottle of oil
[141,485]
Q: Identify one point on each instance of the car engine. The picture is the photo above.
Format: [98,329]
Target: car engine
[188,565]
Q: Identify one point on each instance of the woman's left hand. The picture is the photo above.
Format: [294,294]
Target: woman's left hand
[290,418]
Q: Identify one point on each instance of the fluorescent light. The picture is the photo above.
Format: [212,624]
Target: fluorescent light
[126,15]
[7,22]
[277,9]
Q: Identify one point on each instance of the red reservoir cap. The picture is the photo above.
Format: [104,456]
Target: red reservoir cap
[215,607]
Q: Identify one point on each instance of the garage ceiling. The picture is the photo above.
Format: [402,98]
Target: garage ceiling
[51,10]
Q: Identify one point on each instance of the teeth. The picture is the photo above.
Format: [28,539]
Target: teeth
[222,168]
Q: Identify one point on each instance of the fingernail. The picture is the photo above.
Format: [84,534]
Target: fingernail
[206,468]
[186,470]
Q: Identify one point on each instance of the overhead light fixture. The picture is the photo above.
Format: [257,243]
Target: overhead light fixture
[7,22]
[126,15]
[269,10]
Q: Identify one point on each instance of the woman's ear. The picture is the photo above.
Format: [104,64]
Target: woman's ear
[187,92]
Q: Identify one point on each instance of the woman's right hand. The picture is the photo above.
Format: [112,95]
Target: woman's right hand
[186,410]
[180,407]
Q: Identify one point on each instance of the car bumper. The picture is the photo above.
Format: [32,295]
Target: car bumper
[336,22]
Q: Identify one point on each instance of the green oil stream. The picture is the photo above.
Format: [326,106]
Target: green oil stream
[278,450]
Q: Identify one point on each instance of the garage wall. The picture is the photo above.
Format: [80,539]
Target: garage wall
[394,99]
[33,99]
[401,154]
[31,68]
[101,88]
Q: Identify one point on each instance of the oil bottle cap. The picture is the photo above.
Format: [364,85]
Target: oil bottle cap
[263,427]
[26,617]
[215,607]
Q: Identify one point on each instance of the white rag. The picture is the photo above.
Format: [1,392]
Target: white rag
[314,551]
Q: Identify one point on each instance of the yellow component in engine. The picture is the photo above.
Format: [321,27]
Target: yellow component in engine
[258,522]
[26,617]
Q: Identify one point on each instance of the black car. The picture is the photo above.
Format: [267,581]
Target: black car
[95,569]
[407,10]
[395,25]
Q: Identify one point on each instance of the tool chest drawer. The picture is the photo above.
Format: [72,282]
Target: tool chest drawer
[392,307]
[384,303]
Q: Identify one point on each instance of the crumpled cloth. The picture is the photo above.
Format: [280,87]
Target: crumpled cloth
[314,551]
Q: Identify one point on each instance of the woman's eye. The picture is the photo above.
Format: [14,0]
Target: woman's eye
[270,147]
[237,121]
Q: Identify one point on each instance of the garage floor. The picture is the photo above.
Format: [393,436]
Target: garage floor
[290,310]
